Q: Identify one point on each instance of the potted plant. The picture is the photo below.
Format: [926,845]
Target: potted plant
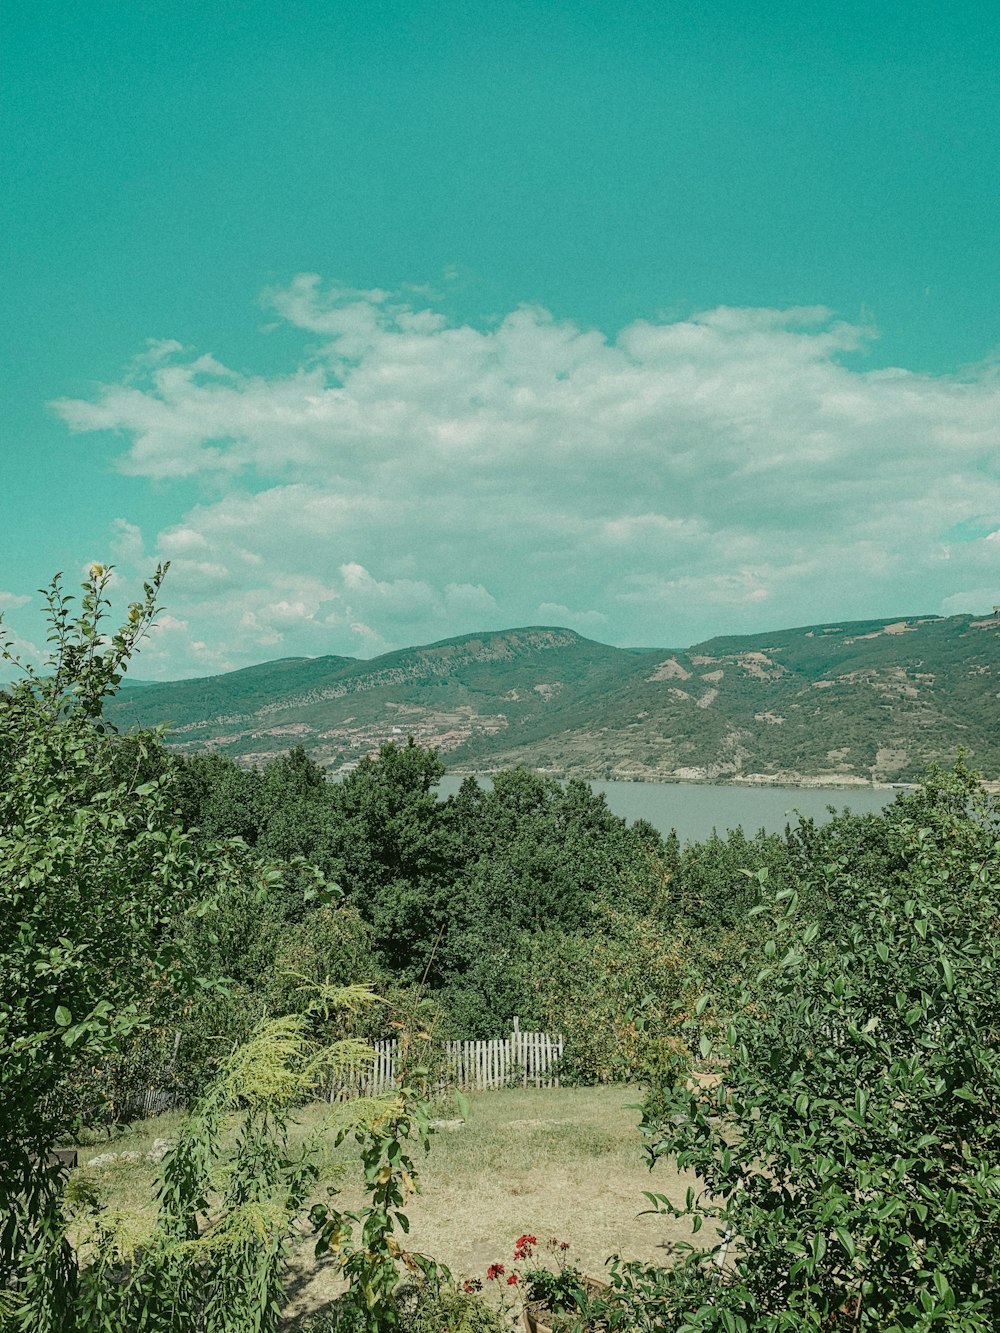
[554,1295]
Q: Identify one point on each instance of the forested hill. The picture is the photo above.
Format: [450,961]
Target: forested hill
[854,701]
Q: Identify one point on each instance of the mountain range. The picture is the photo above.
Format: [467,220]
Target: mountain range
[847,703]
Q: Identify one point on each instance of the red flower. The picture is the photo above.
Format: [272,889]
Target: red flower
[512,1279]
[495,1271]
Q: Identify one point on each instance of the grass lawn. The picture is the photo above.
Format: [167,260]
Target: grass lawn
[563,1162]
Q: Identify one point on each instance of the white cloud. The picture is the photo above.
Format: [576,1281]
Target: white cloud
[413,479]
[975,601]
[370,641]
[555,613]
[168,624]
[470,600]
[405,599]
[207,575]
[22,650]
[10,601]
[183,541]
[127,546]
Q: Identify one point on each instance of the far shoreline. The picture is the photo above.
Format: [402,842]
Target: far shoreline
[763,782]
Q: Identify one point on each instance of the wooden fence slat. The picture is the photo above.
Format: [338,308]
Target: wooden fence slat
[531,1057]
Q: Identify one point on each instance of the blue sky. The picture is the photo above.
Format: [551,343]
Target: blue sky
[388,321]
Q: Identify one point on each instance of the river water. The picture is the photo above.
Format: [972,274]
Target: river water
[695,808]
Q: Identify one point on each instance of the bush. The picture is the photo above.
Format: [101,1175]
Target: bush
[610,991]
[94,874]
[445,1308]
[98,882]
[852,1146]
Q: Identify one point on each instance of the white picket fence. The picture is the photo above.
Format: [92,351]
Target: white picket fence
[150,1102]
[523,1058]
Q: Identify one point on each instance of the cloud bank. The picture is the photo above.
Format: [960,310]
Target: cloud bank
[415,478]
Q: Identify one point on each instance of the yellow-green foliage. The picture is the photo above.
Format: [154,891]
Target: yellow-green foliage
[280,1066]
[213,1258]
[610,996]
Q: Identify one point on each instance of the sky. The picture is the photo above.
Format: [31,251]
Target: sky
[386,321]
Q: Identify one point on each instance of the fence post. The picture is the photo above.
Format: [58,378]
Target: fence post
[517,1049]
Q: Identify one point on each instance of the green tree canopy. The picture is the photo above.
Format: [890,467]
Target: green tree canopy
[96,877]
[849,1143]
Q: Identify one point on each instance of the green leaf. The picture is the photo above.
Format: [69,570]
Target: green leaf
[462,1102]
[846,1240]
[63,1016]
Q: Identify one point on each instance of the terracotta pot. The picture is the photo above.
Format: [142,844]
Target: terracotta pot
[537,1314]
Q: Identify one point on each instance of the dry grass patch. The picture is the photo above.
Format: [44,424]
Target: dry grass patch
[564,1162]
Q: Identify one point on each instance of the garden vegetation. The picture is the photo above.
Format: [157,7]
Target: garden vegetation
[812,1015]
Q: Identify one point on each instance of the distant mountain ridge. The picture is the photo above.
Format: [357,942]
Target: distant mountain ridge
[843,703]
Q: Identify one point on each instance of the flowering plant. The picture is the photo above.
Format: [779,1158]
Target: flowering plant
[560,1288]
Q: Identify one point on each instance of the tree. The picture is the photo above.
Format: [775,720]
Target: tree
[547,868]
[541,855]
[105,899]
[395,853]
[850,1145]
[94,874]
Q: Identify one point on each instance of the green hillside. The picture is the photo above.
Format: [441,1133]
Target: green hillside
[218,699]
[847,702]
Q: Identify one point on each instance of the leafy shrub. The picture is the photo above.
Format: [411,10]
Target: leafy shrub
[649,1298]
[553,1283]
[94,873]
[611,992]
[852,1146]
[215,1258]
[447,1308]
[439,1306]
[666,1064]
[97,881]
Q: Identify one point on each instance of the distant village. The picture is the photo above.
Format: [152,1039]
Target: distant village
[342,748]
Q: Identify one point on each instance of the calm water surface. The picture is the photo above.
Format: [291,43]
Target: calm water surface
[695,808]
